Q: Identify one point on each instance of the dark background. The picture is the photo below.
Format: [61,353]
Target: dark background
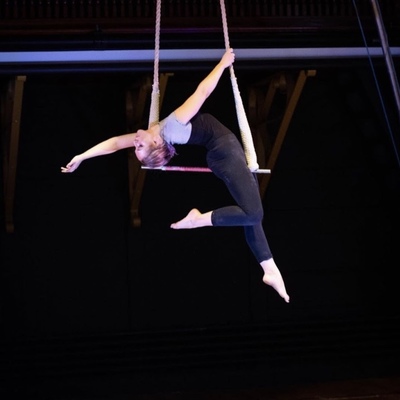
[83,293]
[92,307]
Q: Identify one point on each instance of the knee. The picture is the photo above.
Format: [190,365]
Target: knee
[255,216]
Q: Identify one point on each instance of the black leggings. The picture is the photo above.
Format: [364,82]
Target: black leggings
[226,158]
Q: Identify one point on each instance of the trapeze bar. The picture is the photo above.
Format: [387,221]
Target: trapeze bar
[179,55]
[197,169]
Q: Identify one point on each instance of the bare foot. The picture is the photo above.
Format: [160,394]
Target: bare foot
[195,219]
[273,278]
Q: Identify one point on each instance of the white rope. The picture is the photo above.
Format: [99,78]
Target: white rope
[245,132]
[154,116]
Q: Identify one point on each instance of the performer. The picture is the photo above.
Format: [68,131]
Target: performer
[225,157]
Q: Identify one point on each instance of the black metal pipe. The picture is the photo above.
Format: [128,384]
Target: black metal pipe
[387,53]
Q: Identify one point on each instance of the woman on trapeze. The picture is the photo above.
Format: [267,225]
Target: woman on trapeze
[225,157]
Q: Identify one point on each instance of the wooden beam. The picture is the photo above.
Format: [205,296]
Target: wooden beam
[136,97]
[11,110]
[287,117]
[136,100]
[260,107]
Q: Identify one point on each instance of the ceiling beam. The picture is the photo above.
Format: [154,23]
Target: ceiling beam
[178,55]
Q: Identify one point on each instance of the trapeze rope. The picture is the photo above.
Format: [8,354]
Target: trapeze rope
[245,132]
[154,116]
[376,80]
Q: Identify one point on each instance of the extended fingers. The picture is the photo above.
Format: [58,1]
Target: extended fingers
[67,168]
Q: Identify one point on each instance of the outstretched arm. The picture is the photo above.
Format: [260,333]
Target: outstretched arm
[106,147]
[192,105]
